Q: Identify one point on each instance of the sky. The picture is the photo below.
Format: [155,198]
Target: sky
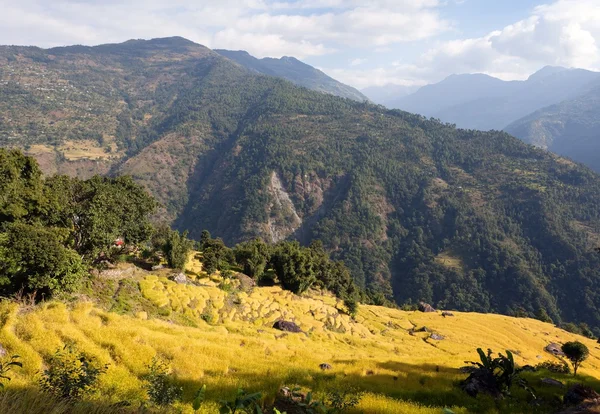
[359,42]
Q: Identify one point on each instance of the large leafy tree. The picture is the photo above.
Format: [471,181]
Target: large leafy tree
[99,210]
[33,257]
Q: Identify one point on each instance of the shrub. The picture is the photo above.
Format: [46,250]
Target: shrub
[496,375]
[243,403]
[576,352]
[572,328]
[352,306]
[71,374]
[199,398]
[338,401]
[555,367]
[6,367]
[160,388]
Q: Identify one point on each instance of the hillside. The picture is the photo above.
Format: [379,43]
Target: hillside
[482,102]
[417,209]
[223,338]
[295,71]
[570,128]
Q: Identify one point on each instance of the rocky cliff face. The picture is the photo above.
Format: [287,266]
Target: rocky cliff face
[283,219]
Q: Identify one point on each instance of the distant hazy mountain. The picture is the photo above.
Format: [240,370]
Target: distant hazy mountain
[570,128]
[482,102]
[295,71]
[383,95]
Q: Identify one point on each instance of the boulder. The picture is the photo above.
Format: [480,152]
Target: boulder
[426,307]
[528,368]
[447,313]
[246,282]
[436,337]
[287,326]
[181,279]
[325,366]
[3,351]
[158,267]
[554,349]
[552,382]
[580,393]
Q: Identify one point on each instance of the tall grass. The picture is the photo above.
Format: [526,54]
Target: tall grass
[399,372]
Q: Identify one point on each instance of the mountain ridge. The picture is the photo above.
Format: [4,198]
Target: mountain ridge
[417,209]
[295,71]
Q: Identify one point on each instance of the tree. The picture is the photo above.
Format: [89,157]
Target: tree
[21,187]
[176,249]
[216,256]
[253,256]
[294,267]
[100,210]
[36,258]
[204,239]
[576,352]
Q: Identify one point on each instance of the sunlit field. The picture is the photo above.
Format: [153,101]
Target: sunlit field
[223,337]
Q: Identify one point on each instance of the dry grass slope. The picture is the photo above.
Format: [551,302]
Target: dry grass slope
[232,345]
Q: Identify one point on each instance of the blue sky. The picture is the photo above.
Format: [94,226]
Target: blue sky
[362,43]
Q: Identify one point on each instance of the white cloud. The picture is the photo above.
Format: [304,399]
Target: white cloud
[264,27]
[357,62]
[563,33]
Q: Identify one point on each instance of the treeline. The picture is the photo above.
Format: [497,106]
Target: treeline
[52,230]
[295,267]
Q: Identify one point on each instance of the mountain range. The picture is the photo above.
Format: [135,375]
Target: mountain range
[295,71]
[417,209]
[555,108]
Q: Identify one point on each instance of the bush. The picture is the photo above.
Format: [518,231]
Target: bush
[71,374]
[243,402]
[572,328]
[160,388]
[493,375]
[339,401]
[555,367]
[352,306]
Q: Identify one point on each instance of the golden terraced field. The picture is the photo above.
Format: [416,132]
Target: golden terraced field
[226,341]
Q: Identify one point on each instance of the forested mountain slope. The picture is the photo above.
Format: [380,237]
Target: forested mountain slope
[295,71]
[418,210]
[570,128]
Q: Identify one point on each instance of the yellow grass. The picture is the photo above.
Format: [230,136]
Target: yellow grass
[234,345]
